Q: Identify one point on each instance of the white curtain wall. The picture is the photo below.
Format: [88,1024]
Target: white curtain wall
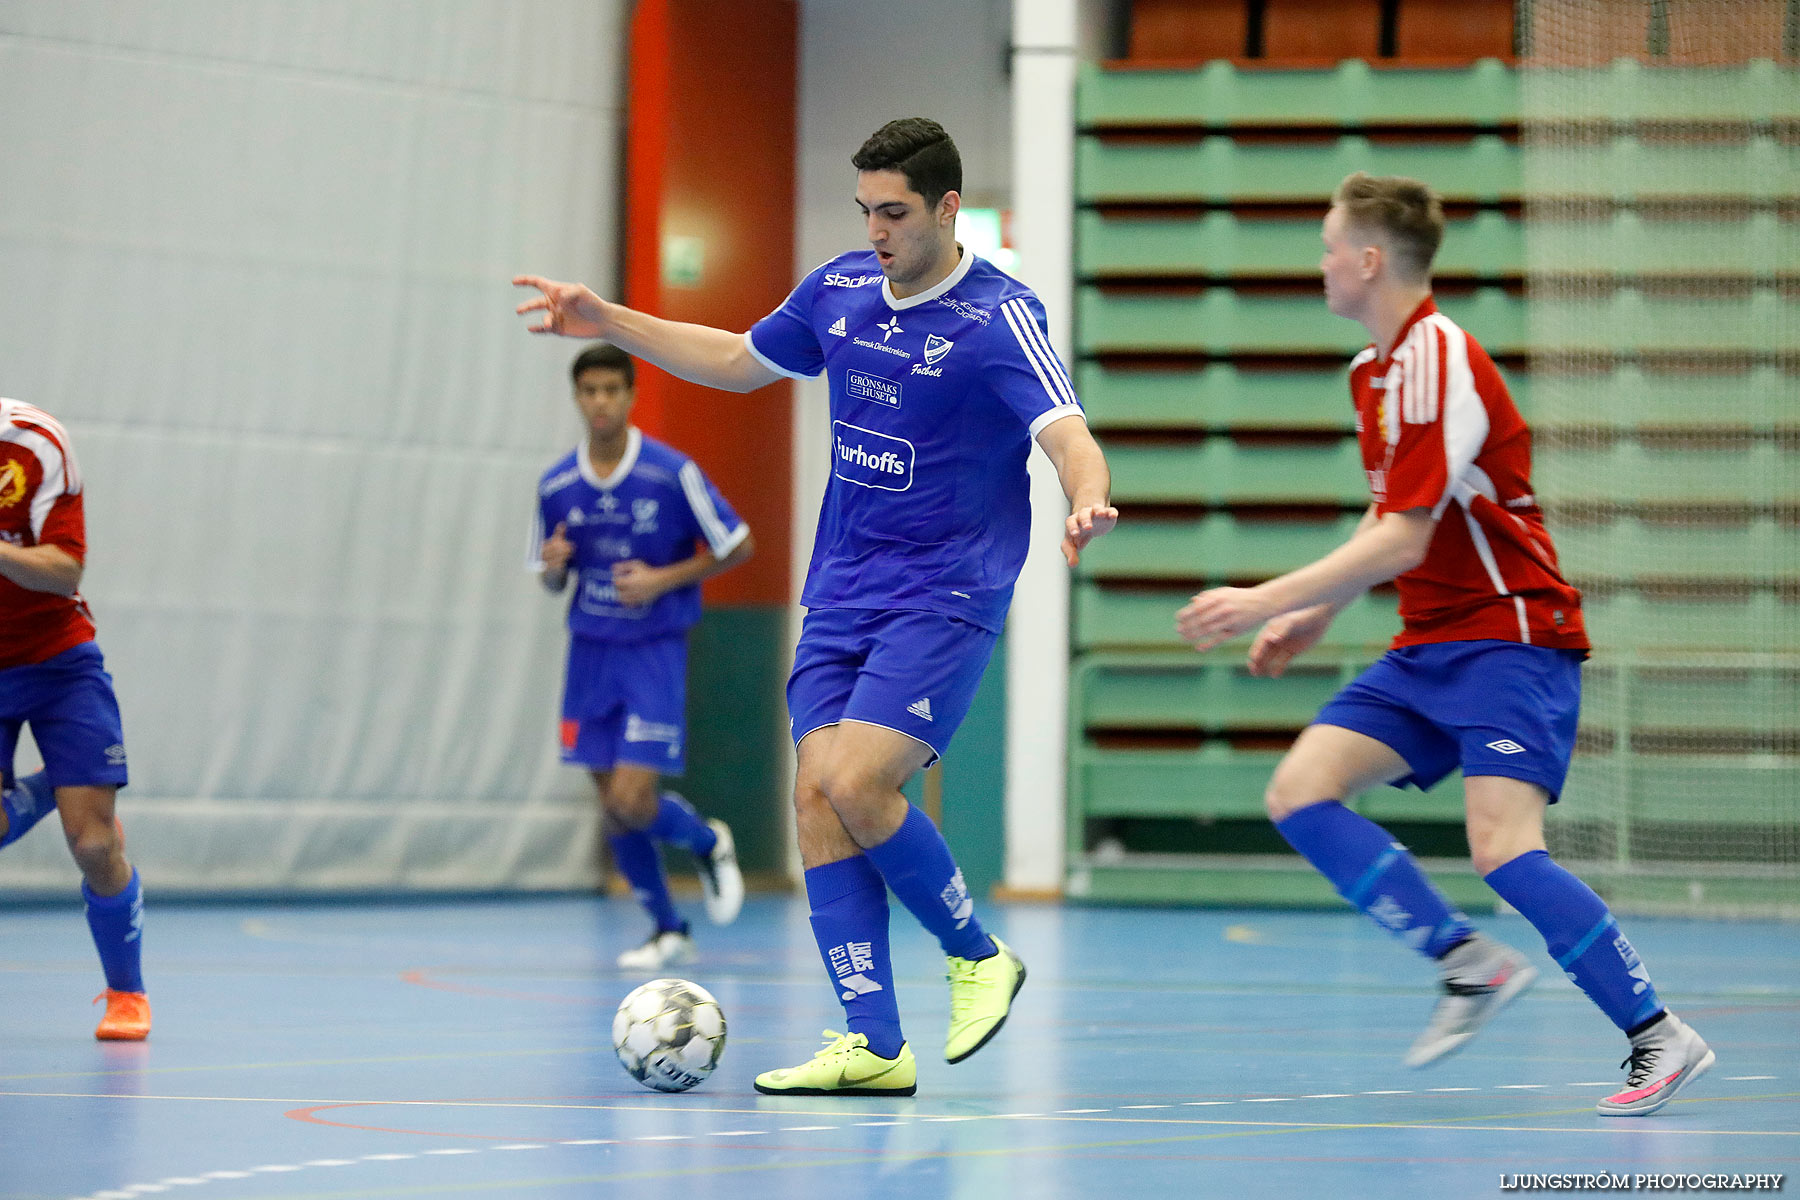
[255,255]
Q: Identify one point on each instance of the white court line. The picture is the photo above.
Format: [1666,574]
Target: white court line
[142,1189]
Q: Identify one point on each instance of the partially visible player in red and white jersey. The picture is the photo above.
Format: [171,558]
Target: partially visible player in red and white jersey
[54,680]
[1439,431]
[1485,676]
[40,505]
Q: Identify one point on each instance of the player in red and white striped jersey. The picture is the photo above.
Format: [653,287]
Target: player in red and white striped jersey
[52,677]
[1485,675]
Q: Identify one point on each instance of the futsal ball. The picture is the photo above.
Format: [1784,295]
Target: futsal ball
[669,1034]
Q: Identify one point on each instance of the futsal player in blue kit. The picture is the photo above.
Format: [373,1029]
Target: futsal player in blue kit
[625,513]
[941,377]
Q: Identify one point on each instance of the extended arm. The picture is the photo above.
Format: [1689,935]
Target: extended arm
[41,568]
[697,353]
[1382,548]
[1086,481]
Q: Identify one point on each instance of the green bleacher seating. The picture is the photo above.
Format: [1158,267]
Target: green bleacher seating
[1179,692]
[1757,399]
[1219,170]
[1627,92]
[1222,245]
[1217,396]
[1630,549]
[1757,245]
[1663,397]
[1142,617]
[1219,471]
[1351,94]
[1762,168]
[1750,320]
[1219,320]
[1684,701]
[1215,547]
[1761,471]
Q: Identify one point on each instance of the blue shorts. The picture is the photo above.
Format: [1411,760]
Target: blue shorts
[1489,707]
[626,702]
[74,717]
[913,672]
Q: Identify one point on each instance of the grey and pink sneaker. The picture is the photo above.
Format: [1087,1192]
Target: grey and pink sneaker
[1481,976]
[1664,1059]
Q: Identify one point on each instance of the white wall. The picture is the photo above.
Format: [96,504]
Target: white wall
[256,258]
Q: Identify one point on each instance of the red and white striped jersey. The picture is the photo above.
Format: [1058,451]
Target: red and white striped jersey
[40,505]
[1438,430]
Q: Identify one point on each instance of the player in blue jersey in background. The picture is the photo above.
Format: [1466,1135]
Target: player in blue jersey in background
[625,513]
[941,377]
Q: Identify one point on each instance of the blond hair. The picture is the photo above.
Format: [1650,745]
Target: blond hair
[1407,214]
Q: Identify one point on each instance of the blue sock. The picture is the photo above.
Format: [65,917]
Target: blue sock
[1581,935]
[1376,874]
[677,822]
[26,803]
[916,864]
[637,858]
[850,922]
[117,923]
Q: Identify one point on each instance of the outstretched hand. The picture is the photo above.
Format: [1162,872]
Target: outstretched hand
[1219,615]
[570,309]
[1286,637]
[1083,526]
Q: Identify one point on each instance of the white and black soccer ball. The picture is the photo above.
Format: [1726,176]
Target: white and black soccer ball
[669,1034]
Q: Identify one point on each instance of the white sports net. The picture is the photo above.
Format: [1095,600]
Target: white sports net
[1662,257]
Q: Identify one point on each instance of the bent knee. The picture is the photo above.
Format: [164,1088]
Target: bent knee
[1294,787]
[97,849]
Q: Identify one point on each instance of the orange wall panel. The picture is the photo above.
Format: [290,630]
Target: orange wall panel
[710,157]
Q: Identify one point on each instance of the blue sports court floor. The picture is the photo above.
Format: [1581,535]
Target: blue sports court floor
[462,1049]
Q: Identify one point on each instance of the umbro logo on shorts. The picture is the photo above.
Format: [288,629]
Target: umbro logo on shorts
[1506,746]
[920,709]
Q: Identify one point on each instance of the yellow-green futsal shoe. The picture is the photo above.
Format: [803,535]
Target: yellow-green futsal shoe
[981,994]
[845,1067]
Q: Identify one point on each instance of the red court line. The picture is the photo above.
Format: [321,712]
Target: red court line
[419,978]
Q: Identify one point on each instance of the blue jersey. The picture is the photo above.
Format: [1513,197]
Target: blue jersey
[935,400]
[653,507]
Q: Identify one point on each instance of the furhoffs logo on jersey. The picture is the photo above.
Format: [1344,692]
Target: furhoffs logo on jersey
[872,387]
[869,459]
[936,347]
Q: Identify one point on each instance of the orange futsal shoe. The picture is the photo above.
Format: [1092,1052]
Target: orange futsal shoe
[127,1017]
